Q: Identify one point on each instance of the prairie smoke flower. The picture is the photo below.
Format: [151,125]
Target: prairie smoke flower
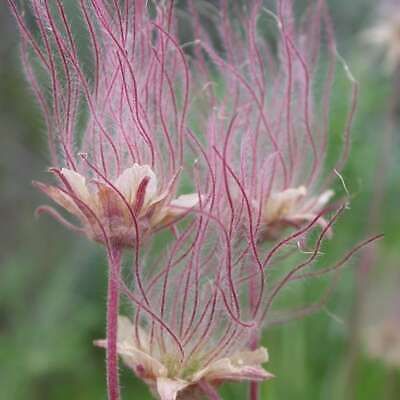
[114,100]
[264,135]
[197,313]
[171,378]
[199,308]
[266,129]
[116,131]
[192,324]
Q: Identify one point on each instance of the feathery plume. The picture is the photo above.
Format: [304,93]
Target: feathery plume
[190,328]
[115,118]
[265,127]
[114,99]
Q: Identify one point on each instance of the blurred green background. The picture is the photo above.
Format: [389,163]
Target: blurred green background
[53,284]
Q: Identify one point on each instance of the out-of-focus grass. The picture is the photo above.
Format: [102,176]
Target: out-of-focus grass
[52,285]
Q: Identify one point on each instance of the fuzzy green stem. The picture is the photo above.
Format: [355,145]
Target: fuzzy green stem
[114,261]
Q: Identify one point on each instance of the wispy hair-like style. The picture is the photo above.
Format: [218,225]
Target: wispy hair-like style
[266,122]
[115,87]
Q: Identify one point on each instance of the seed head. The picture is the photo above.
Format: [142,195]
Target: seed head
[114,100]
[171,378]
[266,127]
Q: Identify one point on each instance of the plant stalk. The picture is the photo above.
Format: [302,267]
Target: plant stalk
[114,261]
[254,389]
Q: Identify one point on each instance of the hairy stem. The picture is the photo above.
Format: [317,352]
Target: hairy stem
[114,261]
[254,389]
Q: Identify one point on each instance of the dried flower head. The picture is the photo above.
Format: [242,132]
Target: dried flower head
[192,325]
[116,129]
[266,128]
[198,307]
[116,134]
[113,86]
[171,378]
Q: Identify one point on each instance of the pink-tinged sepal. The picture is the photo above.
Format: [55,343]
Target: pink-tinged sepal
[240,367]
[60,197]
[59,218]
[168,389]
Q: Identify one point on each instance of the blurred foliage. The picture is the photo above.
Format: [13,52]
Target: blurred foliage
[52,284]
